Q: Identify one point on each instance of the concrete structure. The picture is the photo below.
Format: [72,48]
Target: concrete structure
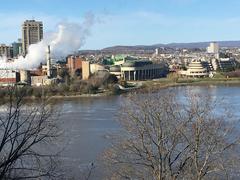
[32,33]
[195,69]
[5,51]
[116,70]
[85,70]
[8,77]
[142,70]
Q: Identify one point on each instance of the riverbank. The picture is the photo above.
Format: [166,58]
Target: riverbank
[154,85]
[166,82]
[157,85]
[102,94]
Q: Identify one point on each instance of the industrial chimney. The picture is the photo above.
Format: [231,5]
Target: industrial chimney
[49,66]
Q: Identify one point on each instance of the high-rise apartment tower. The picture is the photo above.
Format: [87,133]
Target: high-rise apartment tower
[32,33]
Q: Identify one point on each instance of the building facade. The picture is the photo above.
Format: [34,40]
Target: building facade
[17,48]
[5,51]
[32,33]
[226,64]
[213,48]
[86,70]
[195,69]
[9,77]
[74,65]
[142,70]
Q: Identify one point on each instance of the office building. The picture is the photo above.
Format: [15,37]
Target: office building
[17,48]
[213,48]
[32,33]
[5,50]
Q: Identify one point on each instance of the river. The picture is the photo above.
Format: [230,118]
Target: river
[86,123]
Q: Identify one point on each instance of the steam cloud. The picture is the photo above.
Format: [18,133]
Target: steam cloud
[69,38]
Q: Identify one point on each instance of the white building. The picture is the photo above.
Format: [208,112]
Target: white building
[213,48]
[195,69]
[142,70]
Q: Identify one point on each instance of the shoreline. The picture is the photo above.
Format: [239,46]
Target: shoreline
[79,96]
[153,85]
[158,85]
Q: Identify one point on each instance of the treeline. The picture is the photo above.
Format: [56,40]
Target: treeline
[73,86]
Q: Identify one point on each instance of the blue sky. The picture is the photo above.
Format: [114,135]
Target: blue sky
[129,22]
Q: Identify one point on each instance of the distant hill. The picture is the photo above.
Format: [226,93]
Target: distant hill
[172,45]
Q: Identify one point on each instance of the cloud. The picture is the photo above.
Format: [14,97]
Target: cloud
[68,38]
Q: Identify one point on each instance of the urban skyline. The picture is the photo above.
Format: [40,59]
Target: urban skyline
[157,21]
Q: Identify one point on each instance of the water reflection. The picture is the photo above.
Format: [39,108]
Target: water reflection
[86,121]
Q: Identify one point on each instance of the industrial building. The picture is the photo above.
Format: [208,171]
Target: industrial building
[13,77]
[25,77]
[48,75]
[9,77]
[74,65]
[32,33]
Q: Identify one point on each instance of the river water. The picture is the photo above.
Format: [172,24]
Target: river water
[86,123]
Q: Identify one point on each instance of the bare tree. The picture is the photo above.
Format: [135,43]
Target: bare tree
[168,138]
[26,132]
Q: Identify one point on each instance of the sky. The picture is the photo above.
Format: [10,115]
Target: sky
[129,22]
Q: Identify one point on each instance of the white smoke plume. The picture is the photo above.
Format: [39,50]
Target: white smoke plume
[69,38]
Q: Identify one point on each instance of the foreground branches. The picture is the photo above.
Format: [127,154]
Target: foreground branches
[169,138]
[26,130]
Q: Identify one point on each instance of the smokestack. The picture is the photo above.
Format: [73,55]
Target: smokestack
[49,69]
